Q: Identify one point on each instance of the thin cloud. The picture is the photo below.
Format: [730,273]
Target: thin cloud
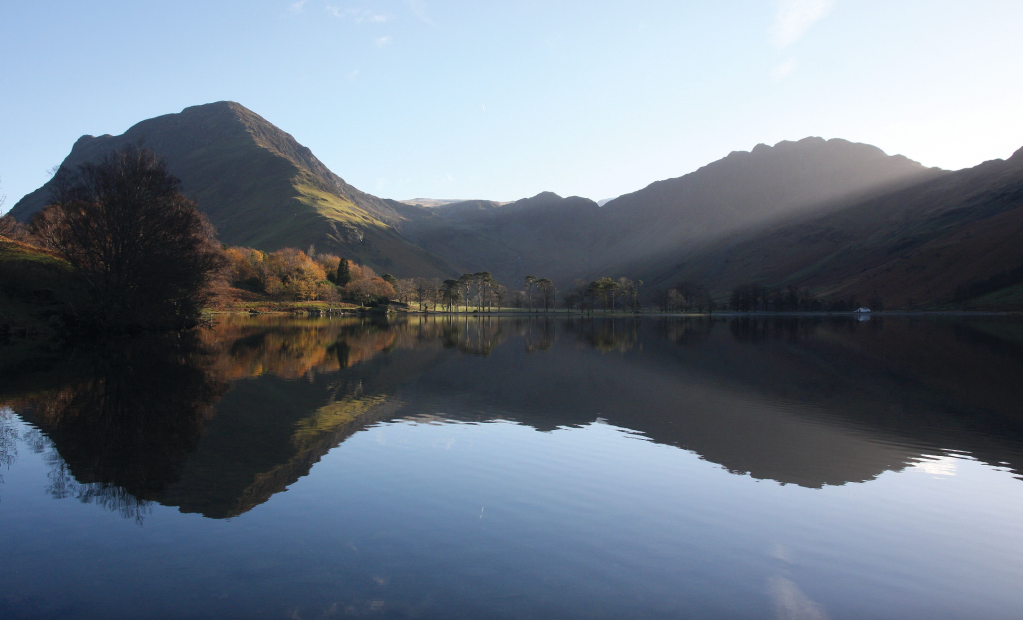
[784,69]
[794,18]
[418,8]
[382,41]
[297,7]
[359,16]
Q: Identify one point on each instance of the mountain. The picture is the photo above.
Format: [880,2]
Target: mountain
[841,218]
[638,234]
[429,202]
[541,235]
[911,247]
[263,189]
[746,190]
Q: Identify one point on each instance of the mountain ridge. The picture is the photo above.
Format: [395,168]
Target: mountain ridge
[261,188]
[828,215]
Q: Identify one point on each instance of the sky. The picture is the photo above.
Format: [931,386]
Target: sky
[502,100]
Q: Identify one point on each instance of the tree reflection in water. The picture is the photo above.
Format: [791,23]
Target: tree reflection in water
[124,420]
[152,419]
[8,439]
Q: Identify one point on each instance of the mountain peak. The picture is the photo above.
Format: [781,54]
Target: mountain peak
[260,187]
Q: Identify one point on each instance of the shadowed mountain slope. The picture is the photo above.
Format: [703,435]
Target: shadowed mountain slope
[542,235]
[630,235]
[745,190]
[911,247]
[261,188]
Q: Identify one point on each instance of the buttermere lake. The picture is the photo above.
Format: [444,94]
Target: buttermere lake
[507,467]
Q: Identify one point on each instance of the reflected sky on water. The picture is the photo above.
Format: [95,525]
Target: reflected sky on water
[507,467]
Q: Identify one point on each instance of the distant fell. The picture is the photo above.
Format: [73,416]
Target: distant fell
[430,202]
[261,188]
[638,234]
[539,235]
[952,241]
[749,189]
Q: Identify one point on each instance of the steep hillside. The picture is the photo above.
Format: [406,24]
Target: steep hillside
[638,233]
[261,188]
[912,247]
[746,190]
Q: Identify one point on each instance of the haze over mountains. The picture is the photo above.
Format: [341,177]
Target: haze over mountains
[838,217]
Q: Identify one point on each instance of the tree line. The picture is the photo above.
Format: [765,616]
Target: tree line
[294,275]
[759,298]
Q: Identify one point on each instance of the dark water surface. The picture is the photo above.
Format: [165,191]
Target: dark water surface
[512,468]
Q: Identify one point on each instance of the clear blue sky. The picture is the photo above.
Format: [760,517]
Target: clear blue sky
[477,99]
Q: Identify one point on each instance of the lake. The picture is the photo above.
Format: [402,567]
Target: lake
[505,467]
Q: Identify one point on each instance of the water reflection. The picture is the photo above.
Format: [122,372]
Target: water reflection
[218,421]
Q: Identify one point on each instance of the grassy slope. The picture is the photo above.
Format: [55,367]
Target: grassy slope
[35,288]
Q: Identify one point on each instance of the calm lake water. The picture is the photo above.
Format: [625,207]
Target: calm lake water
[510,468]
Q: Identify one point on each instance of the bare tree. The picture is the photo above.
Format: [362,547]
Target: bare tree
[145,252]
[7,226]
[7,222]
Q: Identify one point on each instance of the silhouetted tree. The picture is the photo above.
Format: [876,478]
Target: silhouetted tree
[449,293]
[500,293]
[529,281]
[594,291]
[547,292]
[146,253]
[343,276]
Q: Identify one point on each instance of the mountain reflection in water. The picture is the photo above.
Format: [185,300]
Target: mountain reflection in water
[219,420]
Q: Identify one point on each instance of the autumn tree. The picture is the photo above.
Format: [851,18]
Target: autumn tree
[371,289]
[145,252]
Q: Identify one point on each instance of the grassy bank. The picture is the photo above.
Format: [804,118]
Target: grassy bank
[36,287]
[232,299]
